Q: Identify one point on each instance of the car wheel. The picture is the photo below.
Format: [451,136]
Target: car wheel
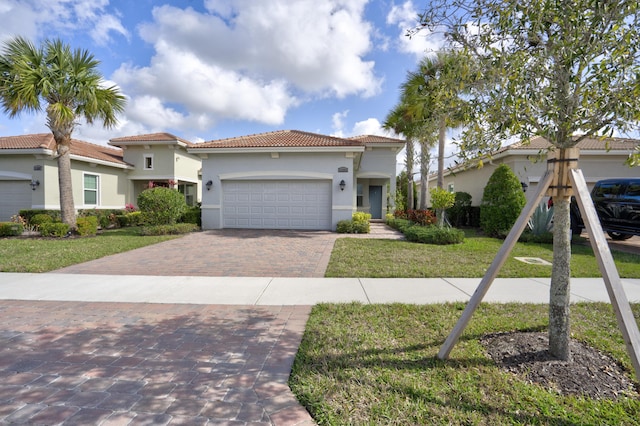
[618,236]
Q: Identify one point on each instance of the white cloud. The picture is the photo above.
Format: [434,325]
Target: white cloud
[37,18]
[423,43]
[254,61]
[370,126]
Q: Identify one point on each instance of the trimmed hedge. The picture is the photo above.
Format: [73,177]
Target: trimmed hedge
[434,235]
[40,218]
[87,225]
[502,202]
[27,214]
[54,229]
[161,206]
[10,229]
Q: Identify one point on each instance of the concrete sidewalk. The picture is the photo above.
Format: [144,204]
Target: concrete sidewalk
[288,291]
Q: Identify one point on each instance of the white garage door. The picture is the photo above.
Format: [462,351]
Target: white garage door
[14,196]
[288,204]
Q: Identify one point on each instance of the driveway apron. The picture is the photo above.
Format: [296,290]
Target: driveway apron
[227,252]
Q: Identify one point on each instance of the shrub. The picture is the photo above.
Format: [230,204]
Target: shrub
[174,229]
[422,217]
[400,224]
[54,229]
[27,214]
[502,202]
[361,217]
[459,213]
[10,229]
[134,219]
[541,221]
[192,215]
[344,227]
[39,219]
[161,206]
[434,235]
[87,225]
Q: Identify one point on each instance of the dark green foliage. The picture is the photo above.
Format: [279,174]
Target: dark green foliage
[502,202]
[40,218]
[87,225]
[54,229]
[344,227]
[10,229]
[27,214]
[161,206]
[174,229]
[192,215]
[459,213]
[400,224]
[474,216]
[106,217]
[434,235]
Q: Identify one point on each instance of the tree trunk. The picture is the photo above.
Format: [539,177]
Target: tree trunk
[559,329]
[425,159]
[442,135]
[410,160]
[67,208]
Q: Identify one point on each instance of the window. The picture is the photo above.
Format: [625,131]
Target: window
[148,162]
[359,199]
[450,187]
[90,185]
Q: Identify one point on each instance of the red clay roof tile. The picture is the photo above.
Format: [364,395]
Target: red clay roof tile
[151,137]
[279,139]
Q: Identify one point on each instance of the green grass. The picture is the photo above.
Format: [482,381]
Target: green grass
[48,254]
[352,257]
[377,364]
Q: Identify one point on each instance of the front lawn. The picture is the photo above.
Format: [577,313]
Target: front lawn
[373,258]
[48,254]
[377,365]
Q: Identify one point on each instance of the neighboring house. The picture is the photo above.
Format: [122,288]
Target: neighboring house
[29,175]
[599,159]
[295,180]
[103,177]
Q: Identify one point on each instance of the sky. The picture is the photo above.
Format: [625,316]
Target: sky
[211,69]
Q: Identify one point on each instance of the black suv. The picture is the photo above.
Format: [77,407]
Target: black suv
[617,202]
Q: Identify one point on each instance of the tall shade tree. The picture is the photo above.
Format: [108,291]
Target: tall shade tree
[564,70]
[65,83]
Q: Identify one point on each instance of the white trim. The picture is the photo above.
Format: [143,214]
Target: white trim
[344,207]
[277,174]
[269,150]
[144,161]
[101,162]
[98,192]
[372,175]
[14,176]
[211,206]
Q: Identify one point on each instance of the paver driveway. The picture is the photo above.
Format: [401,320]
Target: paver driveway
[119,363]
[227,252]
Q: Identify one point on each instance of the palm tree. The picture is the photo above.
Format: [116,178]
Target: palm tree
[400,122]
[68,86]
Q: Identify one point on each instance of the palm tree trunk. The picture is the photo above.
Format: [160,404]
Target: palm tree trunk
[559,327]
[409,163]
[425,159]
[67,208]
[442,134]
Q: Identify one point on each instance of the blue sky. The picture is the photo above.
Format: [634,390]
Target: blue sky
[210,69]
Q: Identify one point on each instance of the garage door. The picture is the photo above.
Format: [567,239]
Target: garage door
[14,196]
[288,204]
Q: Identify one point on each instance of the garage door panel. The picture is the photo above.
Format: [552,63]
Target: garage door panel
[277,204]
[14,196]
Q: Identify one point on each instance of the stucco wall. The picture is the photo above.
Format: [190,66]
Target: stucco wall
[262,166]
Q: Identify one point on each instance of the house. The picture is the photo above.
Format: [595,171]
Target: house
[161,158]
[102,177]
[599,159]
[295,180]
[278,180]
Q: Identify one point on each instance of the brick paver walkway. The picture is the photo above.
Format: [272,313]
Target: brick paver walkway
[118,364]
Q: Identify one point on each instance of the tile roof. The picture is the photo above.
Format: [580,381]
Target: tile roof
[151,137]
[280,139]
[45,141]
[376,139]
[585,144]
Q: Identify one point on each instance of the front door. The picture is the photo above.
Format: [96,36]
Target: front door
[375,200]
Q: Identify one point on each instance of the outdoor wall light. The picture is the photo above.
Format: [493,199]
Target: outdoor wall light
[524,186]
[209,184]
[342,185]
[34,184]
